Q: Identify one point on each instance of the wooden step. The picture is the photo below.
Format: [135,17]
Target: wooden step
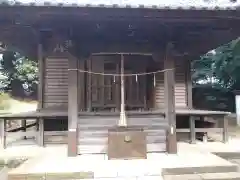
[85,127]
[104,133]
[98,140]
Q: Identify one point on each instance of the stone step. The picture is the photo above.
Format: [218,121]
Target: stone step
[235,161]
[228,155]
[205,176]
[199,170]
[51,176]
[97,149]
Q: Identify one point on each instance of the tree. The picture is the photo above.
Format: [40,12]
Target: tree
[216,75]
[227,65]
[21,74]
[219,67]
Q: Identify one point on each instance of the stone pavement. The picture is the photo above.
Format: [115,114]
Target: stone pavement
[53,159]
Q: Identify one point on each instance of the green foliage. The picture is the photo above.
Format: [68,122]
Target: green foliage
[227,65]
[26,72]
[20,71]
[220,65]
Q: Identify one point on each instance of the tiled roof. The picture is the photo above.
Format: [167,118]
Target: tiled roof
[156,4]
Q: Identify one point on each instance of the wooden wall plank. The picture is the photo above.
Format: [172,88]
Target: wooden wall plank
[180,86]
[56,81]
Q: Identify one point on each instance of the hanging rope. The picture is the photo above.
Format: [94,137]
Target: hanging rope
[118,75]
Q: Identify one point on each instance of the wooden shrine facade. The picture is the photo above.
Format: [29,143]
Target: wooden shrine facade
[74,56]
[99,82]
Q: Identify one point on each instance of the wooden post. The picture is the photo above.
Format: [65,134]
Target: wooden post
[192,130]
[24,127]
[40,140]
[40,75]
[89,94]
[40,129]
[123,120]
[3,133]
[169,101]
[189,84]
[190,101]
[72,108]
[81,77]
[117,87]
[225,129]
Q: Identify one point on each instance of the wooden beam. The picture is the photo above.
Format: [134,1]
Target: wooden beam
[169,100]
[203,130]
[72,108]
[21,134]
[3,133]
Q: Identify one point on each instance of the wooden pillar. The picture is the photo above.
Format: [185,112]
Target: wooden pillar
[192,129]
[117,87]
[81,86]
[189,84]
[169,100]
[3,133]
[40,140]
[40,121]
[72,108]
[190,101]
[40,75]
[89,85]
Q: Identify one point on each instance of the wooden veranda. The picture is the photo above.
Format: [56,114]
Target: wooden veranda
[69,53]
[43,138]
